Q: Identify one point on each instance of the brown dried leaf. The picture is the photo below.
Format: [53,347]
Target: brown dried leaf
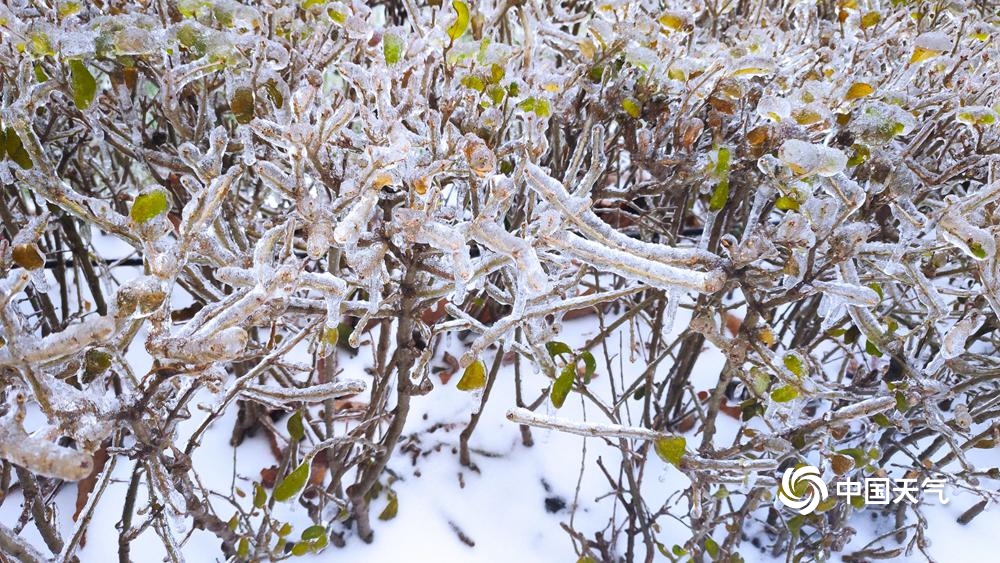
[841,464]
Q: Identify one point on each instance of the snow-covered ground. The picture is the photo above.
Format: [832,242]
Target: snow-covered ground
[511,507]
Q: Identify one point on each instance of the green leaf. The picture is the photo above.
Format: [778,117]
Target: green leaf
[96,362]
[711,547]
[295,428]
[320,542]
[83,84]
[390,510]
[719,196]
[301,549]
[67,9]
[784,394]
[259,496]
[392,48]
[795,524]
[191,38]
[671,449]
[15,149]
[496,73]
[149,205]
[856,454]
[722,164]
[243,550]
[794,363]
[563,385]
[751,408]
[759,380]
[284,530]
[313,532]
[901,403]
[538,107]
[331,335]
[474,377]
[852,334]
[274,93]
[40,75]
[877,289]
[456,29]
[977,250]
[589,364]
[40,44]
[882,420]
[787,203]
[632,107]
[556,348]
[292,484]
[496,94]
[542,108]
[473,82]
[336,16]
[872,349]
[860,155]
[242,104]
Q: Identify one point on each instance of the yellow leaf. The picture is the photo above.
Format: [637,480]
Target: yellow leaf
[391,509]
[456,29]
[671,21]
[858,90]
[870,19]
[474,377]
[28,256]
[805,116]
[753,71]
[920,54]
[420,185]
[671,449]
[148,205]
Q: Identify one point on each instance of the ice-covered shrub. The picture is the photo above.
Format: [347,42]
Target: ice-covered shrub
[815,180]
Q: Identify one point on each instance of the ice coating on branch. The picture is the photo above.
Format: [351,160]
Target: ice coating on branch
[349,229]
[392,167]
[635,267]
[577,211]
[282,397]
[849,293]
[975,242]
[31,350]
[41,456]
[953,342]
[225,344]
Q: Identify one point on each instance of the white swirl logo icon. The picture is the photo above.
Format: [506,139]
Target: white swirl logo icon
[790,482]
